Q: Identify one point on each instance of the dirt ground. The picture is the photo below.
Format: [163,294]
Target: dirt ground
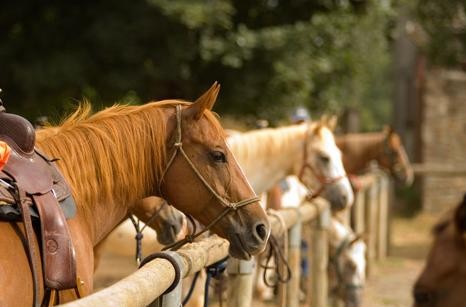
[393,278]
[389,285]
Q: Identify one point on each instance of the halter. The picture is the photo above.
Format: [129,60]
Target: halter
[324,181]
[229,206]
[333,260]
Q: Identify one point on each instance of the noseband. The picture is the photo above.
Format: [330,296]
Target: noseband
[228,206]
[324,181]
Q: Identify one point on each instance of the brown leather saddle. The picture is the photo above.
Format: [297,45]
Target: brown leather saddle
[32,183]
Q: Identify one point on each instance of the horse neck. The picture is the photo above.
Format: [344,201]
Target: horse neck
[359,149]
[268,155]
[104,195]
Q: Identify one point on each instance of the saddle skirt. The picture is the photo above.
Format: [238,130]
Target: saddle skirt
[31,183]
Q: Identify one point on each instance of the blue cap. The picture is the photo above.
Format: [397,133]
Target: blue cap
[300,114]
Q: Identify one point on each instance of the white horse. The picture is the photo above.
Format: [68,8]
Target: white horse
[347,264]
[306,150]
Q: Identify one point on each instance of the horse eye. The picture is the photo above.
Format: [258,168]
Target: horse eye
[218,156]
[324,159]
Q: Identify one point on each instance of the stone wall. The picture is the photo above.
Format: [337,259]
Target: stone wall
[444,137]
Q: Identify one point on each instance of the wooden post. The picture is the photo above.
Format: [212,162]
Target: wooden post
[294,261]
[358,212]
[383,216]
[173,298]
[319,283]
[371,220]
[240,282]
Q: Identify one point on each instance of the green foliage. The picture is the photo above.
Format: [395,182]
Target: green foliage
[268,55]
[445,24]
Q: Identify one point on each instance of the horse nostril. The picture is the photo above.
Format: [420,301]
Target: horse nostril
[261,231]
[422,297]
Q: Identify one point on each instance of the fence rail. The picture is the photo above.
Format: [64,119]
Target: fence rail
[147,284]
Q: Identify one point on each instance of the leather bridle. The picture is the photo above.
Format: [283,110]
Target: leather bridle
[323,180]
[228,206]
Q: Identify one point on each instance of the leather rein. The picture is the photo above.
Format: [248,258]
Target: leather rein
[228,206]
[323,180]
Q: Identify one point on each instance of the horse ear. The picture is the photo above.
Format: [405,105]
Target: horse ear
[205,102]
[332,122]
[460,216]
[388,130]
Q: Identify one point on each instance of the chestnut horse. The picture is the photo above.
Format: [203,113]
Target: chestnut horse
[443,280]
[112,159]
[385,147]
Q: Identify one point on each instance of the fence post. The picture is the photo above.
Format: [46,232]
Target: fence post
[383,216]
[358,212]
[240,282]
[371,222]
[294,261]
[318,272]
[174,297]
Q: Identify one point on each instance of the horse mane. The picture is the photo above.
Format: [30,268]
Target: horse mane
[95,149]
[270,141]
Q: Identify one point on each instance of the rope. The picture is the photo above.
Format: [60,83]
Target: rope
[213,271]
[191,289]
[281,268]
[139,231]
[173,262]
[229,206]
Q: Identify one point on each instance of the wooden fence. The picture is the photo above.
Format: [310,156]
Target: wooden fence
[370,214]
[146,286]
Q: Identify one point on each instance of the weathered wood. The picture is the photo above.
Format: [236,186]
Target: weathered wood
[294,261]
[240,281]
[358,213]
[371,222]
[149,282]
[319,246]
[382,235]
[447,170]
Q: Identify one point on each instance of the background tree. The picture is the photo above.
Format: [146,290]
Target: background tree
[269,55]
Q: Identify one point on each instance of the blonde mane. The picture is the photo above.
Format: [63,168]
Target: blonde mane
[265,142]
[113,156]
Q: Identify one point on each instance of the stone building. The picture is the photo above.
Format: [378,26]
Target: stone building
[443,137]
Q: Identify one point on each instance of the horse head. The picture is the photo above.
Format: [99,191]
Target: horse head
[203,179]
[394,159]
[347,264]
[323,166]
[160,216]
[443,280]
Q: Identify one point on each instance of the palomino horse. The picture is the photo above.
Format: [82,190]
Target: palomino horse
[385,147]
[306,150]
[112,159]
[443,280]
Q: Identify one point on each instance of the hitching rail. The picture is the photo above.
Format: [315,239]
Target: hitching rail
[145,285]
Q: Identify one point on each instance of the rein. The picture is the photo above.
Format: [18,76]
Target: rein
[324,181]
[228,206]
[139,231]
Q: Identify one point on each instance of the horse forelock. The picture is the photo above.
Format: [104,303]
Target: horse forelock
[100,151]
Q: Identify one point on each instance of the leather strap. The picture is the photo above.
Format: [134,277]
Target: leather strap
[31,250]
[58,252]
